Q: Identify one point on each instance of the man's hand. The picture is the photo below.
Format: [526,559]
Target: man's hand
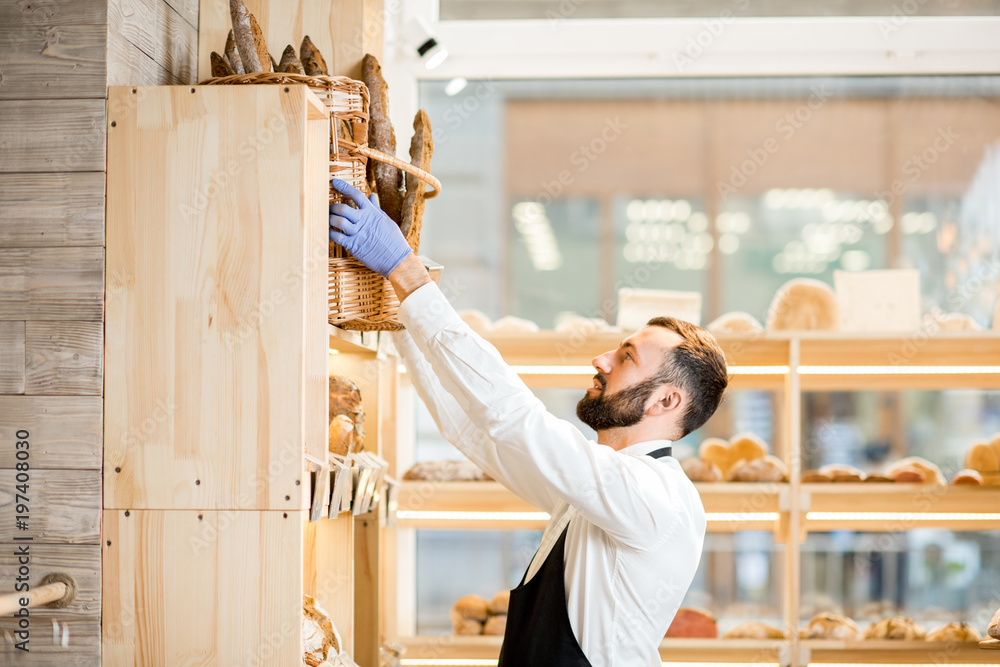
[366,232]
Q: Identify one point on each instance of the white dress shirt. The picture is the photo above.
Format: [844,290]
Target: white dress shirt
[636,524]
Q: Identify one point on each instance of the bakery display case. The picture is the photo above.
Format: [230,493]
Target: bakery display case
[797,530]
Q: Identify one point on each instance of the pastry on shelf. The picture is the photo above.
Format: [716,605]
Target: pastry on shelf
[319,637]
[690,622]
[468,615]
[736,322]
[498,605]
[994,628]
[830,626]
[766,469]
[753,630]
[741,449]
[956,322]
[908,475]
[583,326]
[877,479]
[698,470]
[984,458]
[511,324]
[804,304]
[932,474]
[345,399]
[816,477]
[968,478]
[495,625]
[954,632]
[841,472]
[341,435]
[447,471]
[716,451]
[895,627]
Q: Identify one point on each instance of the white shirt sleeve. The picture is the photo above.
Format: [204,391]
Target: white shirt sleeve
[621,494]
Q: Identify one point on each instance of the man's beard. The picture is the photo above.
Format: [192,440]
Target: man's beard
[619,410]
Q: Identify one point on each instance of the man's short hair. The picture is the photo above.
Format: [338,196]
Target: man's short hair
[696,365]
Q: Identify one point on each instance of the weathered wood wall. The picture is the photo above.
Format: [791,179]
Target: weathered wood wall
[57,59]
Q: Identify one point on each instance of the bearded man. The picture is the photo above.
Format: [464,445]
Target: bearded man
[627,526]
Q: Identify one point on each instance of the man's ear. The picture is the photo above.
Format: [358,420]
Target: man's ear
[668,402]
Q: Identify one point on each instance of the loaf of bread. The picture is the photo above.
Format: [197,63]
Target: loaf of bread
[698,470]
[735,323]
[311,59]
[896,627]
[465,626]
[994,628]
[341,435]
[830,626]
[477,321]
[421,150]
[746,446]
[932,474]
[495,625]
[345,399]
[956,322]
[816,477]
[690,622]
[290,62]
[220,66]
[387,178]
[499,603]
[233,55]
[803,304]
[472,607]
[983,457]
[511,324]
[968,478]
[766,469]
[245,37]
[841,472]
[716,452]
[907,475]
[954,632]
[446,471]
[753,630]
[319,638]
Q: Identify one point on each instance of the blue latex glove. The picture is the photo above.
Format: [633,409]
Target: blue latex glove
[366,232]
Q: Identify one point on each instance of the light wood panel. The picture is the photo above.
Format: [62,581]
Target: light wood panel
[343,30]
[42,60]
[207,242]
[893,651]
[328,571]
[63,358]
[317,394]
[128,65]
[158,31]
[63,431]
[62,135]
[190,587]
[367,589]
[64,506]
[52,283]
[46,210]
[11,357]
[187,9]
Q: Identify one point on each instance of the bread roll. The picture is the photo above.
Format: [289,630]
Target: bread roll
[896,627]
[746,446]
[983,457]
[698,470]
[387,178]
[341,435]
[882,479]
[932,474]
[290,63]
[956,322]
[471,607]
[689,622]
[753,630]
[220,66]
[954,632]
[465,626]
[446,471]
[908,475]
[716,451]
[994,628]
[816,477]
[968,478]
[511,324]
[233,55]
[735,323]
[345,399]
[830,626]
[311,58]
[498,605]
[767,469]
[495,625]
[477,321]
[841,472]
[803,304]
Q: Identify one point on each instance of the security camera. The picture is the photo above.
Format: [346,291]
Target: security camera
[418,36]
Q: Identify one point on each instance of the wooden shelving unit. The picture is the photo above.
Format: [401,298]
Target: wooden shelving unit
[791,364]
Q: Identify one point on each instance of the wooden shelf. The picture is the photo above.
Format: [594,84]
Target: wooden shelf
[343,340]
[889,651]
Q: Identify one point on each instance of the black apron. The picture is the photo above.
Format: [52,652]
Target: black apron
[538,631]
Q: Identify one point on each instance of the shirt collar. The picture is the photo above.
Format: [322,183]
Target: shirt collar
[643,448]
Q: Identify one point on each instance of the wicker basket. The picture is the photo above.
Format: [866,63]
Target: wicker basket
[358,298]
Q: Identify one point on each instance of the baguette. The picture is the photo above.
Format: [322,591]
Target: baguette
[388,179]
[290,62]
[421,149]
[312,59]
[233,55]
[221,66]
[243,33]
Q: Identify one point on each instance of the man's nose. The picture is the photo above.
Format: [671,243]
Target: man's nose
[601,363]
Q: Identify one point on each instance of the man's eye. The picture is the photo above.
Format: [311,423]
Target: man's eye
[628,356]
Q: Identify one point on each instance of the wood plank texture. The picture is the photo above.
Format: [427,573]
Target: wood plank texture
[187,9]
[42,60]
[63,431]
[46,210]
[52,283]
[63,358]
[355,27]
[205,266]
[128,65]
[66,135]
[64,507]
[328,571]
[202,588]
[83,615]
[11,357]
[158,31]
[317,394]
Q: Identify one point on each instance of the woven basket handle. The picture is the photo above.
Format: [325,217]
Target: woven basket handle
[424,176]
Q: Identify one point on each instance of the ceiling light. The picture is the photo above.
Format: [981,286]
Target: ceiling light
[455,86]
